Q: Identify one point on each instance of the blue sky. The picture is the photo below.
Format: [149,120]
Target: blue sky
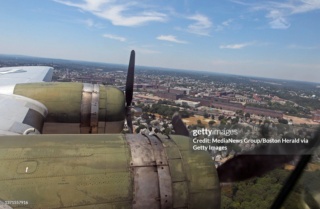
[278,39]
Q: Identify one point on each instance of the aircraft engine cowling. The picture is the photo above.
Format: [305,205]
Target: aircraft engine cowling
[78,107]
[130,171]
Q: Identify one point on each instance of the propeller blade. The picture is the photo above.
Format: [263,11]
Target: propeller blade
[130,79]
[178,125]
[295,175]
[291,181]
[243,167]
[129,90]
[251,164]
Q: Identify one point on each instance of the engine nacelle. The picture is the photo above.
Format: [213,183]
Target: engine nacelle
[78,107]
[130,171]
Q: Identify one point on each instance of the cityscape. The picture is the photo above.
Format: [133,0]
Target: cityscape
[218,108]
[204,100]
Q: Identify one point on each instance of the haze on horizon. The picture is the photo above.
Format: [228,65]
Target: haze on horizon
[265,39]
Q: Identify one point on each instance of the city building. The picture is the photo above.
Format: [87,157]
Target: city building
[189,103]
[263,112]
[316,116]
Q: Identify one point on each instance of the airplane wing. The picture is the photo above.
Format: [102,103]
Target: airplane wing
[21,115]
[10,76]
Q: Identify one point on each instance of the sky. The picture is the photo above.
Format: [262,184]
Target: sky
[277,39]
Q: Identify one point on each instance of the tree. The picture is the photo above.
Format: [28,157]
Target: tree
[146,108]
[211,122]
[221,117]
[260,192]
[235,120]
[184,114]
[167,131]
[283,121]
[239,112]
[145,116]
[223,121]
[140,127]
[184,105]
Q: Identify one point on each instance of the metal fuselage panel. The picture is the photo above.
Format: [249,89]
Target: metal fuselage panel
[106,171]
[62,171]
[95,108]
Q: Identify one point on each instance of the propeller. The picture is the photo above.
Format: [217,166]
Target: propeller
[252,164]
[178,125]
[129,90]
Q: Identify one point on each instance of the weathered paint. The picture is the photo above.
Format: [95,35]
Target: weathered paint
[65,105]
[95,171]
[63,100]
[66,171]
[202,177]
